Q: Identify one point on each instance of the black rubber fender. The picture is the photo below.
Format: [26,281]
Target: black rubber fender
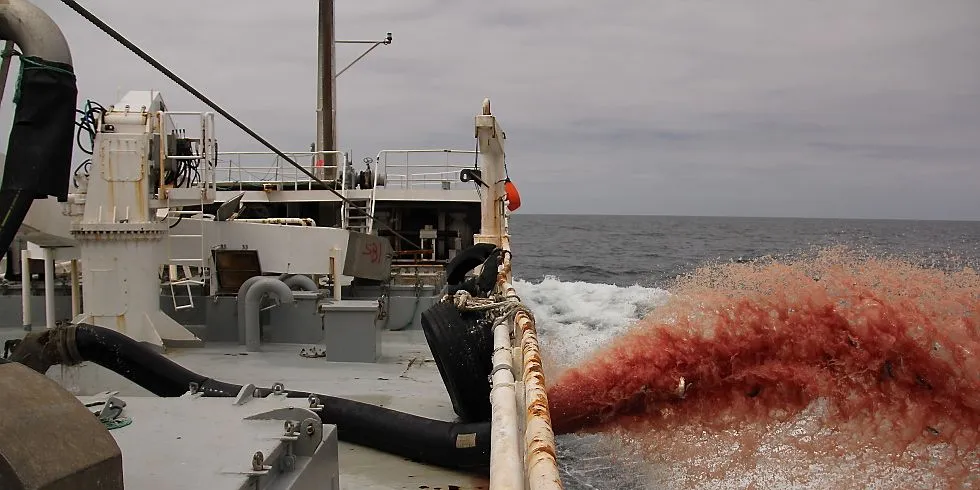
[488,276]
[462,346]
[469,285]
[467,260]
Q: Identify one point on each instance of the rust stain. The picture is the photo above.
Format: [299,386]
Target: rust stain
[540,455]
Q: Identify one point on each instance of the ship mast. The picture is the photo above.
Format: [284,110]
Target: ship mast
[326,111]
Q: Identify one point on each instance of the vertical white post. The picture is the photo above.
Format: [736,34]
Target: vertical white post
[25,287]
[333,274]
[48,287]
[76,293]
[491,144]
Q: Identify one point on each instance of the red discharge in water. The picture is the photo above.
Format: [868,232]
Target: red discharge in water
[891,348]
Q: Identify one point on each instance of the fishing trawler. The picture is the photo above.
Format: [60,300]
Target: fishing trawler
[318,326]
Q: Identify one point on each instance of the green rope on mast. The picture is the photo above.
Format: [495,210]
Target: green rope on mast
[37,63]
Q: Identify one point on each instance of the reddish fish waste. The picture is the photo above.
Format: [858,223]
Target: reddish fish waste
[830,370]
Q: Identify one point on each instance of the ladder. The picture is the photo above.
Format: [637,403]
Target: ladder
[356,212]
[179,241]
[357,218]
[186,245]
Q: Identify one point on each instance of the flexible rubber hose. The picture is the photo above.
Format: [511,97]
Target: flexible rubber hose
[14,204]
[454,445]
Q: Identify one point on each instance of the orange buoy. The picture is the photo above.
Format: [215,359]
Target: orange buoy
[513,197]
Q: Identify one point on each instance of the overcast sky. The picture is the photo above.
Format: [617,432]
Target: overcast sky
[849,108]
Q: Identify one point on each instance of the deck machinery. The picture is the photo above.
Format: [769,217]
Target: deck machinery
[147,210]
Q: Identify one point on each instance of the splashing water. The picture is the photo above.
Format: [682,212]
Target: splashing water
[576,318]
[832,370]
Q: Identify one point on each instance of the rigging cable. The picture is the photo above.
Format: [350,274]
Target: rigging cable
[186,86]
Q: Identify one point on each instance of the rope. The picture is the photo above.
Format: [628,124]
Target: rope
[35,63]
[200,96]
[117,423]
[506,308]
[464,301]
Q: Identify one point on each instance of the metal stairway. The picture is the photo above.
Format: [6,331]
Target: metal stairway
[357,210]
[357,218]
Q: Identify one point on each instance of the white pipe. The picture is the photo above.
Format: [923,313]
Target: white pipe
[293,153]
[25,287]
[506,468]
[334,277]
[301,282]
[48,287]
[33,31]
[242,290]
[76,293]
[253,298]
[280,221]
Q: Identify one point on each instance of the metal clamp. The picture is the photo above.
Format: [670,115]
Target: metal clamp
[113,408]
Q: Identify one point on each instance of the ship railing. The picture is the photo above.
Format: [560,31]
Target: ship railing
[243,168]
[445,180]
[424,168]
[516,348]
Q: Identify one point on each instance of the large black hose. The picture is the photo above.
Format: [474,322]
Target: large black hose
[454,445]
[14,204]
[38,162]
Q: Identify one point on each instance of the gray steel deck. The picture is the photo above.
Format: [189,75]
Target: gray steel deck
[390,383]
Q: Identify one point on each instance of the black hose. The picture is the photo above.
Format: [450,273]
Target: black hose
[133,360]
[14,204]
[38,161]
[454,445]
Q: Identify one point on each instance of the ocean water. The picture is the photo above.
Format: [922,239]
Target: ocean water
[652,250]
[591,280]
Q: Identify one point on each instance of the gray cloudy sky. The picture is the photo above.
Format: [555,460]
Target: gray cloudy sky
[849,108]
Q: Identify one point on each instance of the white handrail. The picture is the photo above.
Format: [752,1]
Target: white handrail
[409,177]
[280,172]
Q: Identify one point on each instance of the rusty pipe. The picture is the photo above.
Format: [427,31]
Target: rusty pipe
[540,456]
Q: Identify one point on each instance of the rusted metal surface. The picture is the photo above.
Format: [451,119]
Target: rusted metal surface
[541,462]
[540,458]
[519,338]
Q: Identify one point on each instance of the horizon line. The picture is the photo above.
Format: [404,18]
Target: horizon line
[652,215]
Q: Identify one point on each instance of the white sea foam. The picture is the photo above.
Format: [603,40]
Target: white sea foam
[575,318]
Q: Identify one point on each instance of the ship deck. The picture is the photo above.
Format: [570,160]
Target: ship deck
[405,379]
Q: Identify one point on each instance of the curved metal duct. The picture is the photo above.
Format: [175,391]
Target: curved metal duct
[240,318]
[33,31]
[253,300]
[301,282]
[39,150]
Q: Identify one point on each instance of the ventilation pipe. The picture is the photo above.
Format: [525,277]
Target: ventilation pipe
[253,303]
[301,283]
[39,148]
[240,318]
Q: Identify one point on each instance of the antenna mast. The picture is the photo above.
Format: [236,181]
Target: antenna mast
[326,110]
